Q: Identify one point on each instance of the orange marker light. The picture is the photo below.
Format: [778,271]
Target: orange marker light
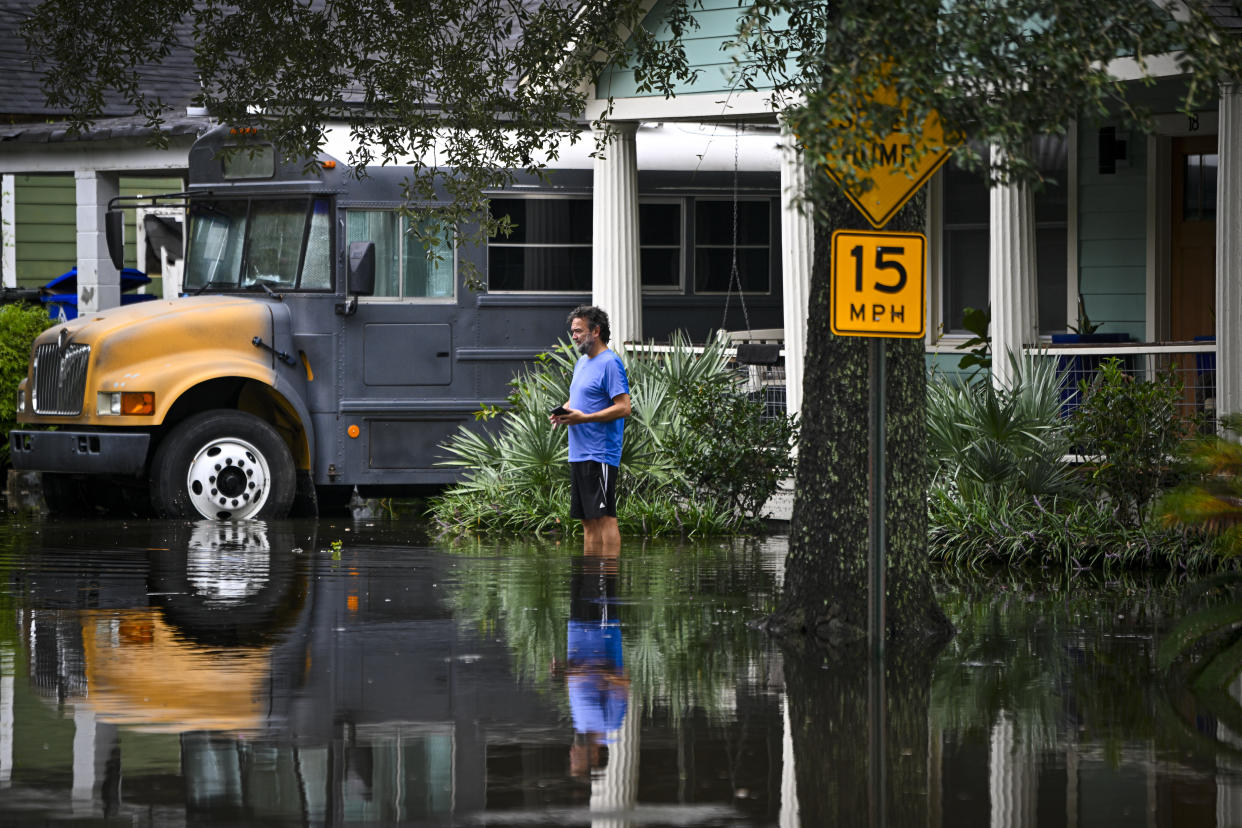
[137,402]
[353,431]
[329,165]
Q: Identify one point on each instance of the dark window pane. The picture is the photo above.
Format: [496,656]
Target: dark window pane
[713,265]
[659,224]
[965,274]
[539,268]
[545,220]
[1192,189]
[965,196]
[1208,171]
[1050,251]
[713,222]
[660,267]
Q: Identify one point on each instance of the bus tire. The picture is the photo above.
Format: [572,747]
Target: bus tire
[222,465]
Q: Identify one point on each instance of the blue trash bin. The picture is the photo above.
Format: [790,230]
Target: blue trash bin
[60,295]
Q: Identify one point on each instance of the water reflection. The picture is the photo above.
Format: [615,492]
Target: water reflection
[164,674]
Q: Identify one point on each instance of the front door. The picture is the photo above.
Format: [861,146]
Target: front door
[1192,308]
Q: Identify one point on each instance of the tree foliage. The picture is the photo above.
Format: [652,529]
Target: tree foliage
[996,73]
[479,90]
[470,94]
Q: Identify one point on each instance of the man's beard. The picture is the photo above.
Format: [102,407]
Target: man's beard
[584,347]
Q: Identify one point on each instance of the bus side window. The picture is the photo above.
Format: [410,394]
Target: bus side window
[316,266]
[381,227]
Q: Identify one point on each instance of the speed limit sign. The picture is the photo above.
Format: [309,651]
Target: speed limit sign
[878,284]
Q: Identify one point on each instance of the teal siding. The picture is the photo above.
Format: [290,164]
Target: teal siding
[1112,238]
[706,51]
[942,365]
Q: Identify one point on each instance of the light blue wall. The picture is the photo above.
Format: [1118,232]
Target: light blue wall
[1112,236]
[705,51]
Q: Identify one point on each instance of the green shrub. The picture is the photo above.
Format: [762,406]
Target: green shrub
[732,452]
[516,476]
[19,325]
[1130,431]
[989,445]
[1211,500]
[1066,532]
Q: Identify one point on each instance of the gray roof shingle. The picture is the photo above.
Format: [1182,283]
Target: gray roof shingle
[175,81]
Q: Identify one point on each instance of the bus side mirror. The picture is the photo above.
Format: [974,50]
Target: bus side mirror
[361,276]
[114,233]
[362,268]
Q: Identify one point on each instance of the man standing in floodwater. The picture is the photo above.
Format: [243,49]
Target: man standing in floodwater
[599,402]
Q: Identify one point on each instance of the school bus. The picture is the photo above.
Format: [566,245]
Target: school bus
[316,347]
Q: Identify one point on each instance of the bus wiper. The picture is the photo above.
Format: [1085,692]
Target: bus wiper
[203,287]
[280,297]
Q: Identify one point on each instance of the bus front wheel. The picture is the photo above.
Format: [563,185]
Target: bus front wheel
[222,465]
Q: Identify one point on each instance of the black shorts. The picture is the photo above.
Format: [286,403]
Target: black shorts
[593,490]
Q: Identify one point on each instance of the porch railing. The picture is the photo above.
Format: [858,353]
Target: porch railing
[1192,363]
[762,382]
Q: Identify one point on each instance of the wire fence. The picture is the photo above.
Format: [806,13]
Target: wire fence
[1192,366]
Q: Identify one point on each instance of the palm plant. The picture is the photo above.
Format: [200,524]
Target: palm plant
[516,476]
[991,445]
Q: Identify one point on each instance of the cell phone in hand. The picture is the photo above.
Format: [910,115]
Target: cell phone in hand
[560,411]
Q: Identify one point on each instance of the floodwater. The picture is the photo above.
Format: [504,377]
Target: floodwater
[359,673]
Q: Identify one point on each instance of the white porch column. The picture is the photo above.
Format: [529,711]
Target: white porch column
[1229,253]
[1012,778]
[8,230]
[615,284]
[1011,274]
[99,283]
[8,658]
[85,770]
[614,793]
[797,248]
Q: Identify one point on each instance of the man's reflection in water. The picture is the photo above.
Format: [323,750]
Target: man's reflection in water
[595,674]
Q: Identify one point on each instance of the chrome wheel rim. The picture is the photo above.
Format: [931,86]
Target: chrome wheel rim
[228,479]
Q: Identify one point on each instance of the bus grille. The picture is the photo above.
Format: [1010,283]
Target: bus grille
[60,378]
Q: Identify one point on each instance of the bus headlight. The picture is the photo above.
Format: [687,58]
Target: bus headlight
[125,403]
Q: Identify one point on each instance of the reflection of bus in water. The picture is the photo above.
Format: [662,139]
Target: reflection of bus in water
[141,673]
[292,687]
[320,349]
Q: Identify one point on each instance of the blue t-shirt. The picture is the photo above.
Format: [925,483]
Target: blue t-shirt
[597,380]
[597,704]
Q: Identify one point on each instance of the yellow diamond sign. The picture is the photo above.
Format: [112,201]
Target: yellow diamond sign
[883,176]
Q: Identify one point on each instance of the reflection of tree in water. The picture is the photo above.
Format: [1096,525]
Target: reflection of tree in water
[1201,656]
[1051,654]
[685,610]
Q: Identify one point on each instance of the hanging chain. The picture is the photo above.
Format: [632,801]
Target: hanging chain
[734,276]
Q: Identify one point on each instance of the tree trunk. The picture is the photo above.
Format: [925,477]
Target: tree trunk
[837,721]
[825,595]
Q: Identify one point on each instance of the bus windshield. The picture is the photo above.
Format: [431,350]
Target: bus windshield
[281,243]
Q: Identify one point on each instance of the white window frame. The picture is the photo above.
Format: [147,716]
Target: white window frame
[403,299]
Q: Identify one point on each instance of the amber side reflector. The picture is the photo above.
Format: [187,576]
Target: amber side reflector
[353,431]
[137,402]
[329,165]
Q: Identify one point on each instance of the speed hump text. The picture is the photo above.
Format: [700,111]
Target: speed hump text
[878,284]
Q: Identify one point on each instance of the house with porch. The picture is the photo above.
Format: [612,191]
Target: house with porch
[1127,234]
